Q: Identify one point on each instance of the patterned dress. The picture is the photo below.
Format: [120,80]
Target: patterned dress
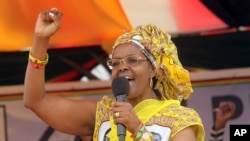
[164,119]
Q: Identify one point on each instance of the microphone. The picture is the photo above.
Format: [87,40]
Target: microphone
[120,89]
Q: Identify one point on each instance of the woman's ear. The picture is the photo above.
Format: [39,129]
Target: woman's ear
[152,72]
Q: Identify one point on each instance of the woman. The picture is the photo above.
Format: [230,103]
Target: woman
[148,59]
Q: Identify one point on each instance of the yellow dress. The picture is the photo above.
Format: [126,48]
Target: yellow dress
[164,119]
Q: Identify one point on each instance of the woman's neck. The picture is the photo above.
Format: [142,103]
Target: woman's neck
[135,101]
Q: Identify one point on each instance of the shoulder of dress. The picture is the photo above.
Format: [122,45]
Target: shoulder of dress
[179,111]
[105,103]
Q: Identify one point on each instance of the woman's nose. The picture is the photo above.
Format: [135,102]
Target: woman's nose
[123,65]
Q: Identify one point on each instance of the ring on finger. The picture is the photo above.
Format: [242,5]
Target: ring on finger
[53,11]
[51,14]
[117,114]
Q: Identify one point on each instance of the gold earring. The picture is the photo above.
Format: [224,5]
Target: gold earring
[151,83]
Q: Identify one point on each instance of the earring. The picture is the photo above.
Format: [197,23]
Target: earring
[151,83]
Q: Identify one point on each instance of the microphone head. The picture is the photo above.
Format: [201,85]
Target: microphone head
[120,86]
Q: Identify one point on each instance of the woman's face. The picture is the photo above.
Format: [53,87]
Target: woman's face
[138,74]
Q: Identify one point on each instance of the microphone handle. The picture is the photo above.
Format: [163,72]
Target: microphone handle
[121,132]
[121,98]
[121,138]
[121,129]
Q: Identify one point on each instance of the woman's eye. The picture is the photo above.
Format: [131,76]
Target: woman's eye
[132,60]
[115,63]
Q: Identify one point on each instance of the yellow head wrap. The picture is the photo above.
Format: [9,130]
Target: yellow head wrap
[173,81]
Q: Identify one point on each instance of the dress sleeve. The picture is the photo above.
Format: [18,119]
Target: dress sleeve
[186,117]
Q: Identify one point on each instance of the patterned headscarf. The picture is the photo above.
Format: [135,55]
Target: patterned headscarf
[173,81]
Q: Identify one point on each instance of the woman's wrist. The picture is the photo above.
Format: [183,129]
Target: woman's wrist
[39,47]
[141,133]
[37,63]
[137,129]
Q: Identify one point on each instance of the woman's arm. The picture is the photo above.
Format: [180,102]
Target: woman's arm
[67,115]
[187,134]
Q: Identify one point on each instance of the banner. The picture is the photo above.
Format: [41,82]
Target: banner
[207,98]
